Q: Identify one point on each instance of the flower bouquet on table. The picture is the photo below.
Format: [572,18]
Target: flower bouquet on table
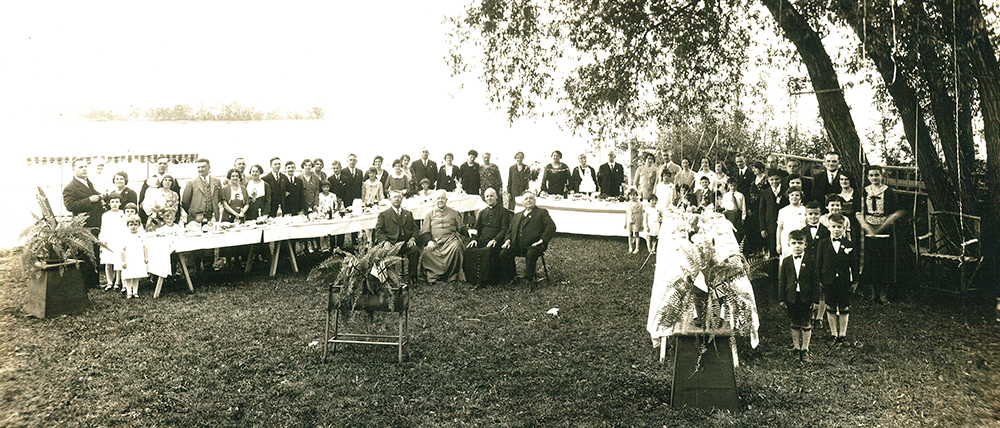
[534,171]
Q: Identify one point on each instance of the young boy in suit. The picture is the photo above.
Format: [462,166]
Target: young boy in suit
[815,231]
[798,292]
[837,264]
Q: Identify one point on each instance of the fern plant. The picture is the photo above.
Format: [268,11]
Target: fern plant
[372,270]
[53,238]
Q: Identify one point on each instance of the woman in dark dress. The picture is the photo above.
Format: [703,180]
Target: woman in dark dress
[447,174]
[877,211]
[555,179]
[259,193]
[518,178]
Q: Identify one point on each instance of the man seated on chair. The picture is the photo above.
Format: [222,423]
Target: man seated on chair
[492,225]
[529,235]
[397,225]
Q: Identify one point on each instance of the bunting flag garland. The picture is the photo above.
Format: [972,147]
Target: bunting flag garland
[151,158]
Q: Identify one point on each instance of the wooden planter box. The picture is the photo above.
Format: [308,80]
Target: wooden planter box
[401,306]
[56,290]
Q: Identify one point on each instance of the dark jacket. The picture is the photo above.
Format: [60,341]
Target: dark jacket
[277,192]
[609,181]
[492,223]
[806,279]
[821,186]
[767,212]
[577,178]
[395,228]
[352,184]
[76,198]
[420,172]
[812,243]
[833,265]
[526,230]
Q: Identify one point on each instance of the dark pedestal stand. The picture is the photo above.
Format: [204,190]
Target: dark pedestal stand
[56,290]
[714,384]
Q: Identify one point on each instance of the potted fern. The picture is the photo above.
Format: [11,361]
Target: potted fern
[50,257]
[367,280]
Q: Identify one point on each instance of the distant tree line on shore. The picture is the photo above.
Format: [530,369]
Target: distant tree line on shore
[219,112]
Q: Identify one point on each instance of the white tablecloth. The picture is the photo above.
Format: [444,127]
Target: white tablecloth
[583,217]
[160,247]
[671,263]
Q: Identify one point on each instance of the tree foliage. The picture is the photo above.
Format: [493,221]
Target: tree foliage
[611,65]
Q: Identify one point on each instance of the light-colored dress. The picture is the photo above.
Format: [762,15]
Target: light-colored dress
[666,194]
[645,180]
[328,204]
[135,256]
[634,215]
[444,261]
[790,218]
[112,228]
[371,193]
[652,220]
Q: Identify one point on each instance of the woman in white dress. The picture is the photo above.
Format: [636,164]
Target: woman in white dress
[791,217]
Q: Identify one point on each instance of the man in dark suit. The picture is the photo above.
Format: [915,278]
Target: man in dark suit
[491,227]
[278,182]
[529,235]
[80,197]
[792,167]
[425,168]
[798,292]
[744,176]
[772,199]
[293,191]
[610,177]
[353,177]
[827,182]
[336,180]
[395,225]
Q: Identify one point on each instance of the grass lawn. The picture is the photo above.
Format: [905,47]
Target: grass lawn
[239,352]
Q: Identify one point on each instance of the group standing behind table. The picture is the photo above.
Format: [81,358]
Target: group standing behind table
[751,195]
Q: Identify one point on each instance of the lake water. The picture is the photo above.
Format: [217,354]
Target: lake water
[222,142]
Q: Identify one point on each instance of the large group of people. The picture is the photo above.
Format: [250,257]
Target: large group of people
[305,188]
[764,202]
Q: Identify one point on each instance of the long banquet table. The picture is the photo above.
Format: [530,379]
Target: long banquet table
[280,232]
[585,217]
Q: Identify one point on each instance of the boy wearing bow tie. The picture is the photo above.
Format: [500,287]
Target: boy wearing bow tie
[815,231]
[799,292]
[837,264]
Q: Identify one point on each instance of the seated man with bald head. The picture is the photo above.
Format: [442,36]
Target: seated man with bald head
[491,226]
[529,235]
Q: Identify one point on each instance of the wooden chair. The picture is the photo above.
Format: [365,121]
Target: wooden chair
[545,271]
[371,303]
[950,247]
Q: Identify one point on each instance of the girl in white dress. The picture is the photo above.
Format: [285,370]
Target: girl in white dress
[653,219]
[791,217]
[112,227]
[134,257]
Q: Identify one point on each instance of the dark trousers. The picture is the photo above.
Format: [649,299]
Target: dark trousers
[838,296]
[800,313]
[530,254]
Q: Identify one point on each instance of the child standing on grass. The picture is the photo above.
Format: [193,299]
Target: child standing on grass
[798,292]
[652,220]
[815,231]
[113,222]
[134,257]
[837,264]
[633,219]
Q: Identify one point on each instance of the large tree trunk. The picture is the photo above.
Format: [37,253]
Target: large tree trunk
[939,185]
[833,108]
[987,70]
